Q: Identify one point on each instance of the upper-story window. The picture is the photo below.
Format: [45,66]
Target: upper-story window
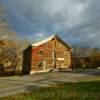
[41,52]
[58,45]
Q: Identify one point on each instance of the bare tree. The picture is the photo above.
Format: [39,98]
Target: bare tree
[12,55]
[11,46]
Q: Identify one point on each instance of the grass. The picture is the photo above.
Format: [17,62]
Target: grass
[68,91]
[79,70]
[5,85]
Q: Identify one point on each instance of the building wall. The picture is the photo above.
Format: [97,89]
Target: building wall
[27,58]
[50,54]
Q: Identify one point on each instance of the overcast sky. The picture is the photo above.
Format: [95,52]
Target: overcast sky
[76,21]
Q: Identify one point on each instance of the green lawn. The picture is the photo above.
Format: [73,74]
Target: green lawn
[69,91]
[5,85]
[80,70]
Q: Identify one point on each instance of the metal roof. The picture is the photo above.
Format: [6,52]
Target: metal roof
[47,40]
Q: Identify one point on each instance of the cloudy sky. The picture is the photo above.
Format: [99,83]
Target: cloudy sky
[76,21]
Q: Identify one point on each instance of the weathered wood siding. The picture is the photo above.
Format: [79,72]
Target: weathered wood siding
[61,52]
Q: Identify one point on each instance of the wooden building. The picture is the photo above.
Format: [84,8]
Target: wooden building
[48,54]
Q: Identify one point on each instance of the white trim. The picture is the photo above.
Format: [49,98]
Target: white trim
[60,58]
[43,41]
[40,71]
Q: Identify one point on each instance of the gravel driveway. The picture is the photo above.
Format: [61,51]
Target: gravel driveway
[17,84]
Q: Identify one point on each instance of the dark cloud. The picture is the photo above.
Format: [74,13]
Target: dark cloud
[77,21]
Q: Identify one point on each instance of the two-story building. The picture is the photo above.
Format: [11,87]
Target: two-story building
[48,54]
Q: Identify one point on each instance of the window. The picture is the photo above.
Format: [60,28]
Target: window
[40,64]
[58,45]
[41,52]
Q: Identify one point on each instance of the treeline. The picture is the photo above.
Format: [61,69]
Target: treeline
[86,57]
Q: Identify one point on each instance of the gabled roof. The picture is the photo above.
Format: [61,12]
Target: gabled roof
[47,40]
[43,41]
